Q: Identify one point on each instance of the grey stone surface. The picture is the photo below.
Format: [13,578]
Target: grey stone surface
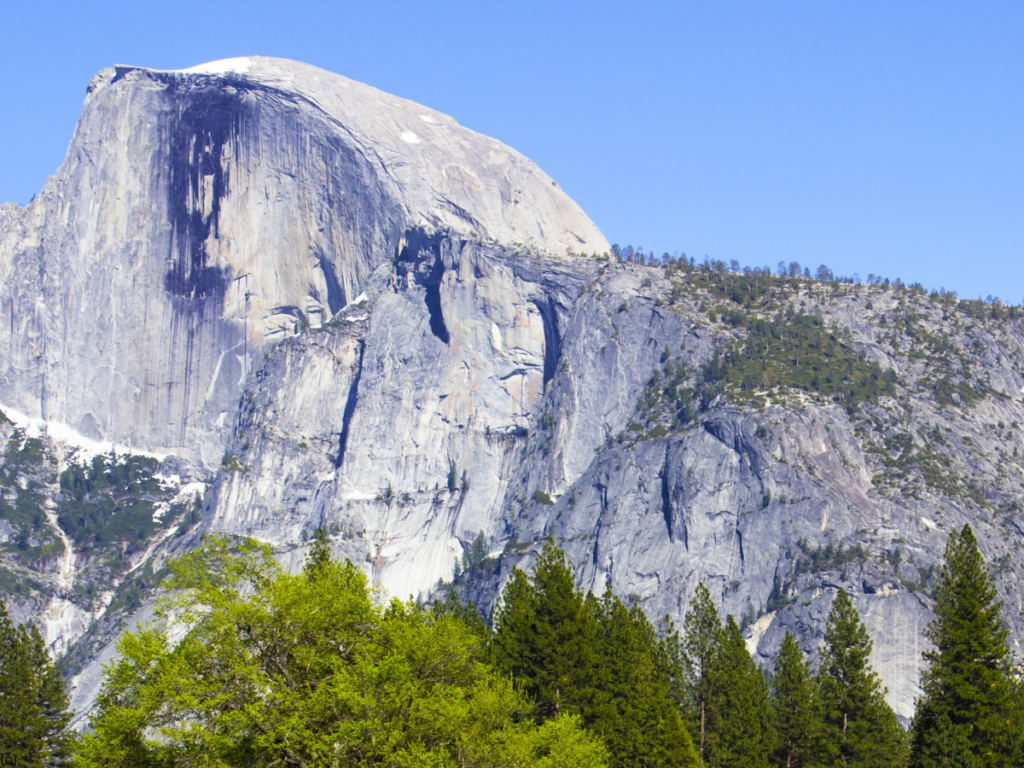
[198,217]
[385,336]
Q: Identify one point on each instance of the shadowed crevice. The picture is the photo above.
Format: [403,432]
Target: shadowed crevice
[350,407]
[552,338]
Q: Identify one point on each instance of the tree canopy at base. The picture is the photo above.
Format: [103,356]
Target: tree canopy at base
[796,709]
[859,729]
[310,669]
[252,666]
[591,656]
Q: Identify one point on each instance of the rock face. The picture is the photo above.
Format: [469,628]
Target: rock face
[200,216]
[342,310]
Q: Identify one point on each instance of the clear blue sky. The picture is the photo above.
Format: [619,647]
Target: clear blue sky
[883,137]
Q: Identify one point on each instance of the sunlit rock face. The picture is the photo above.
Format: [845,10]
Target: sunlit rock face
[200,215]
[340,309]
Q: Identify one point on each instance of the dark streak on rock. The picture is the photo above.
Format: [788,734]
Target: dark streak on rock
[350,407]
[207,115]
[336,298]
[552,338]
[421,256]
[666,500]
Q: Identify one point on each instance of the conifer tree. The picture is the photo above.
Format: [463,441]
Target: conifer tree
[860,730]
[465,613]
[795,708]
[966,715]
[593,657]
[33,704]
[637,718]
[546,636]
[744,737]
[319,553]
[702,633]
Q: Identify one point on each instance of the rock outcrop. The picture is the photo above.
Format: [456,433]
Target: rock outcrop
[342,310]
[201,216]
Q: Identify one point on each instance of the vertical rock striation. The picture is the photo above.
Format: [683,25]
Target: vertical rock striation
[340,309]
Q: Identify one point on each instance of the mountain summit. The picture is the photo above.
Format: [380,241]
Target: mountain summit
[259,299]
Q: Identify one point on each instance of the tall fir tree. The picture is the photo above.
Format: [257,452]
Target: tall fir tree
[966,715]
[546,636]
[34,713]
[592,657]
[702,637]
[637,718]
[860,730]
[319,553]
[744,736]
[796,711]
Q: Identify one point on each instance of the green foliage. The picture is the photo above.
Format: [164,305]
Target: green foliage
[591,657]
[546,636]
[230,463]
[111,501]
[318,557]
[467,613]
[703,637]
[796,710]
[280,669]
[452,475]
[475,559]
[133,591]
[668,397]
[860,730]
[26,467]
[635,714]
[33,705]
[967,712]
[722,692]
[477,555]
[829,557]
[795,351]
[541,497]
[744,737]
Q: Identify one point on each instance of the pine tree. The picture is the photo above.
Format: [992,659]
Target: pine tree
[795,708]
[744,737]
[592,657]
[860,730]
[702,633]
[319,553]
[546,635]
[637,718]
[34,713]
[966,715]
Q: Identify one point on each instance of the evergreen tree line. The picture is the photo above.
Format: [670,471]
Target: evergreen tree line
[315,669]
[695,698]
[795,271]
[632,685]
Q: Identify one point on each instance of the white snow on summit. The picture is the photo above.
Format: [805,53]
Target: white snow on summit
[238,66]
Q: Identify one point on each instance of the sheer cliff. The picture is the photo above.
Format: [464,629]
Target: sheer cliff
[259,299]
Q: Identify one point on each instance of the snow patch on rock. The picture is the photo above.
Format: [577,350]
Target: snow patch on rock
[239,66]
[82,448]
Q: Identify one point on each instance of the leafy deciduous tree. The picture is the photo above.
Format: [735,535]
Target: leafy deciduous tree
[307,670]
